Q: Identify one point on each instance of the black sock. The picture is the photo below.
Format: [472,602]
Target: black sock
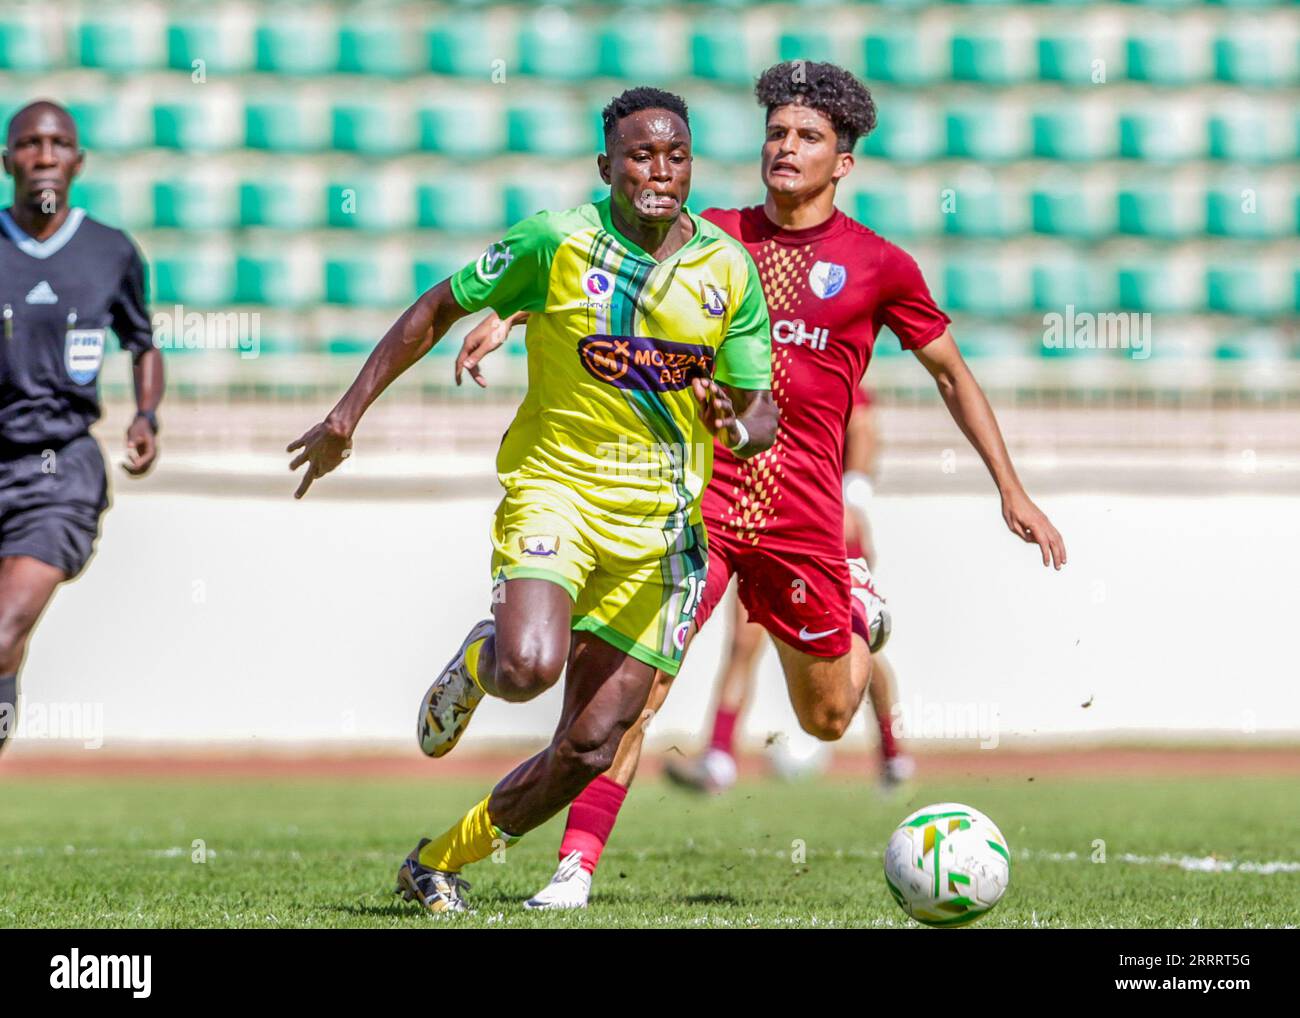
[8,707]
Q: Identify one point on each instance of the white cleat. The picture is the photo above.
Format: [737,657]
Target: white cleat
[863,588]
[569,888]
[897,771]
[449,704]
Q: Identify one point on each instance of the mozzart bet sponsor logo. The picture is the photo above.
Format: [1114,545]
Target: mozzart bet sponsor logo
[642,362]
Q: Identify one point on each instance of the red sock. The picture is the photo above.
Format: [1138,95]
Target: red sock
[591,819]
[724,730]
[888,747]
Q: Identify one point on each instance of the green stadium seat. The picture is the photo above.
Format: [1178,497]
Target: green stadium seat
[553,44]
[1064,207]
[726,128]
[987,133]
[993,55]
[982,208]
[375,125]
[719,53]
[286,123]
[991,343]
[640,47]
[429,270]
[525,198]
[470,205]
[1238,210]
[1153,209]
[469,126]
[1249,133]
[983,285]
[370,201]
[1162,134]
[1068,281]
[203,277]
[361,280]
[349,345]
[1246,288]
[805,44]
[1167,55]
[903,55]
[201,123]
[303,42]
[1264,347]
[1156,285]
[890,209]
[1251,54]
[195,202]
[1071,56]
[277,278]
[125,41]
[111,125]
[223,44]
[24,41]
[552,126]
[464,46]
[907,131]
[1075,132]
[377,46]
[719,191]
[102,197]
[282,203]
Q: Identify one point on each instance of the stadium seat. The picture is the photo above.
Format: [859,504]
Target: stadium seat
[1154,209]
[903,55]
[553,44]
[805,44]
[522,199]
[997,54]
[285,202]
[889,208]
[1250,289]
[370,201]
[1243,210]
[550,125]
[24,41]
[110,124]
[380,47]
[987,133]
[1078,57]
[1157,285]
[1069,281]
[125,41]
[461,206]
[719,53]
[1064,206]
[982,207]
[429,270]
[1249,132]
[362,280]
[468,125]
[279,277]
[1076,132]
[640,47]
[197,201]
[983,285]
[286,122]
[218,42]
[208,121]
[1172,53]
[301,42]
[378,125]
[1260,346]
[464,46]
[726,128]
[907,131]
[1256,54]
[203,277]
[1162,133]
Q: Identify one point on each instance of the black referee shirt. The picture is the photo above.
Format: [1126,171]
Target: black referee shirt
[58,298]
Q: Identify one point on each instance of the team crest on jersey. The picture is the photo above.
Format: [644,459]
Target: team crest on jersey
[494,261]
[713,300]
[540,545]
[827,279]
[83,353]
[597,284]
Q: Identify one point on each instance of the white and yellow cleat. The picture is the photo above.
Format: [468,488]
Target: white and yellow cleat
[879,621]
[450,702]
[436,890]
[569,888]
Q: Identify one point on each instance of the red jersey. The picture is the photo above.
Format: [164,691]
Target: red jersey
[829,289]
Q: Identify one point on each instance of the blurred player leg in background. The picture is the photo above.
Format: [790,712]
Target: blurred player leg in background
[26,587]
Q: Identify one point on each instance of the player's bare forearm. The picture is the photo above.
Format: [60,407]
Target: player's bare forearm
[411,337]
[861,447]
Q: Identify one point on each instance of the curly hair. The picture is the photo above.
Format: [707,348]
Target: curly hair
[643,97]
[830,90]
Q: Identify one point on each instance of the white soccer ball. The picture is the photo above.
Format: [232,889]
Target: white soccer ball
[798,757]
[947,864]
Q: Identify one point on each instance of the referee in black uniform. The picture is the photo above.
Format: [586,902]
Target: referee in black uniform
[65,280]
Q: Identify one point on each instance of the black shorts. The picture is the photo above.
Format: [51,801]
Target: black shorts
[51,502]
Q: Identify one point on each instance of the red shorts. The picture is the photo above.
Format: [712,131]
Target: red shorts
[802,600]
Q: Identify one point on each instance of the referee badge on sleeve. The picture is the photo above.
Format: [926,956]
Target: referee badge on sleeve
[83,353]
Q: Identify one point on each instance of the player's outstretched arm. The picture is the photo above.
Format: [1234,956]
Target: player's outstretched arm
[744,420]
[970,409]
[413,335]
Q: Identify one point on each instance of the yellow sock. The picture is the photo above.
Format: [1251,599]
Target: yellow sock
[471,660]
[470,839]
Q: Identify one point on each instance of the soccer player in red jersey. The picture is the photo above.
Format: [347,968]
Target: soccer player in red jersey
[776,520]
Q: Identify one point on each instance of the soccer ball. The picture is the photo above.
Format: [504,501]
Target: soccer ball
[947,864]
[798,756]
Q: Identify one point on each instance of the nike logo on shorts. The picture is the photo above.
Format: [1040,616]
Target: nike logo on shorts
[809,637]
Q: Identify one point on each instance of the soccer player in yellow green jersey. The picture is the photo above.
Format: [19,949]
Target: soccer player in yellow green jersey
[647,337]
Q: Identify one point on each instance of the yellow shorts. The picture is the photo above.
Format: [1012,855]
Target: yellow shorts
[635,586]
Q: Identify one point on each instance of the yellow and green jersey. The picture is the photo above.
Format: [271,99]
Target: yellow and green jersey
[614,339]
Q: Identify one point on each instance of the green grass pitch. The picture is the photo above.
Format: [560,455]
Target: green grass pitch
[118,853]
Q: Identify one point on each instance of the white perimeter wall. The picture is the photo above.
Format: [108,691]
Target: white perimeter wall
[205,618]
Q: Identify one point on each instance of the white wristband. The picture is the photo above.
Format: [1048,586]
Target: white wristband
[744,436]
[857,490]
